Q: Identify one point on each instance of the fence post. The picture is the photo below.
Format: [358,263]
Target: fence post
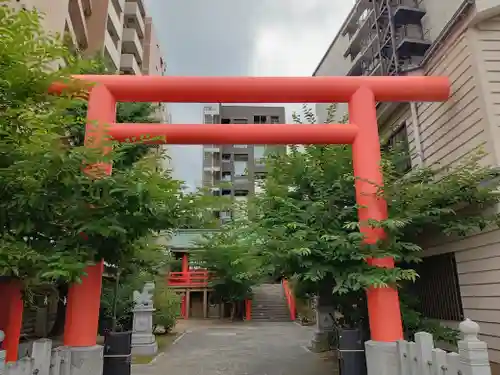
[41,353]
[424,344]
[472,351]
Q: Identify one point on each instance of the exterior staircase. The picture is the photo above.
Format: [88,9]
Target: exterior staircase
[269,304]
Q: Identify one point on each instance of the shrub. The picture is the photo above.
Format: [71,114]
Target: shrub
[168,307]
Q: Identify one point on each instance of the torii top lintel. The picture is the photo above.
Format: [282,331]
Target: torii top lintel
[125,88]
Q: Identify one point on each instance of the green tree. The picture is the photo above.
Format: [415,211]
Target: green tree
[305,224]
[231,259]
[308,213]
[54,218]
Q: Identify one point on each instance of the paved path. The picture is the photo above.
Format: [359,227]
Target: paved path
[241,349]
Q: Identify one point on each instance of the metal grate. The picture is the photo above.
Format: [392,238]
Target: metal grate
[438,289]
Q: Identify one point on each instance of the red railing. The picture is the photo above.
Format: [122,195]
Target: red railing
[198,278]
[289,298]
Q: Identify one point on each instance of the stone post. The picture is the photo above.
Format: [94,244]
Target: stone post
[324,326]
[143,339]
[473,352]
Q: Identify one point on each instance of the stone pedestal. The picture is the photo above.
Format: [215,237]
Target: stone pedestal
[143,339]
[324,329]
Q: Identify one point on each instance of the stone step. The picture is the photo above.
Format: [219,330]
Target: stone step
[256,319]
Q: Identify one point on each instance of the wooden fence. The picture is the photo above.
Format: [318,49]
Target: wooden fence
[43,361]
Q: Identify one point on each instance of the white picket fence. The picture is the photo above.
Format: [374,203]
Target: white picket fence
[422,358]
[43,361]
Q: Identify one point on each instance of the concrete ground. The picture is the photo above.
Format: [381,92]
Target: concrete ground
[240,349]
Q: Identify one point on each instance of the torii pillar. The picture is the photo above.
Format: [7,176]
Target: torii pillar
[84,299]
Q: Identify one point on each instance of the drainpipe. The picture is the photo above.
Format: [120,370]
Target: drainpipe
[416,133]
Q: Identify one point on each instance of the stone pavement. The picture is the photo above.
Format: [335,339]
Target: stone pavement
[266,348]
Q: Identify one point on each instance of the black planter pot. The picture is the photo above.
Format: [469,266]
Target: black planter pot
[350,347]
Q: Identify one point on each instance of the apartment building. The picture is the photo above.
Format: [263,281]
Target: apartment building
[459,39]
[235,170]
[118,29]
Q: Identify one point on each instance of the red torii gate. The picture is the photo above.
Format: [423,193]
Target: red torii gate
[361,93]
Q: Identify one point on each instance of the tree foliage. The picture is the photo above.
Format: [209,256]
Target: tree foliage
[54,219]
[231,259]
[308,221]
[305,223]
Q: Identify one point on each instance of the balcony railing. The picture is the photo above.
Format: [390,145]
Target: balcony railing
[189,279]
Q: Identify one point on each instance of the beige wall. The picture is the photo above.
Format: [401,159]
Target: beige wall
[97,26]
[438,14]
[452,129]
[54,14]
[484,38]
[470,57]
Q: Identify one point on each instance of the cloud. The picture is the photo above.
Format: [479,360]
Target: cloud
[239,38]
[293,35]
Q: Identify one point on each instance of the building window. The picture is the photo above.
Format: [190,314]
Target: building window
[240,157]
[399,141]
[259,154]
[260,176]
[226,176]
[226,157]
[259,119]
[437,289]
[240,168]
[275,119]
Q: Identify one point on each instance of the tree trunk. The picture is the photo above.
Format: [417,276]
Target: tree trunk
[58,327]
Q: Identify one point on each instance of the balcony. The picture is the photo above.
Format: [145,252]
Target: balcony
[140,4]
[70,36]
[211,148]
[408,12]
[366,60]
[190,279]
[134,19]
[77,16]
[410,42]
[114,25]
[128,65]
[211,168]
[118,5]
[111,51]
[132,44]
[355,17]
[363,32]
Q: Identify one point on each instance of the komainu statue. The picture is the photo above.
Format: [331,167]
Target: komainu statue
[144,299]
